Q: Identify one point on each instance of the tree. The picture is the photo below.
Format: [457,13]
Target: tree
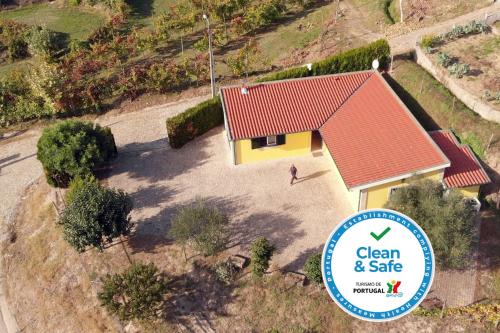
[138,293]
[74,148]
[246,59]
[94,215]
[44,42]
[447,219]
[202,225]
[262,251]
[312,268]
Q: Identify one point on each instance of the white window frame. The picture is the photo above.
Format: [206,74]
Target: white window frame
[270,143]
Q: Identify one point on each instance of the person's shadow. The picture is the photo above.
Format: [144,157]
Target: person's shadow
[311,176]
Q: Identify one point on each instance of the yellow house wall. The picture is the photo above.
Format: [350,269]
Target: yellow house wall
[377,196]
[295,144]
[470,191]
[352,196]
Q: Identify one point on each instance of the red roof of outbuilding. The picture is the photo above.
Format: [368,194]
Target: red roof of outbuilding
[287,106]
[465,169]
[373,137]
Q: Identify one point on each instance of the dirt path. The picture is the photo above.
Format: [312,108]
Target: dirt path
[406,42]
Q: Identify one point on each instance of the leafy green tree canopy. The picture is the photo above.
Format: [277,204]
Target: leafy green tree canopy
[447,219]
[94,215]
[74,148]
[138,293]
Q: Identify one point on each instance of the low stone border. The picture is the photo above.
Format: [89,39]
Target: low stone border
[473,102]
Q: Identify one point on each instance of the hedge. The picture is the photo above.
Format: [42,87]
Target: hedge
[201,118]
[194,122]
[358,59]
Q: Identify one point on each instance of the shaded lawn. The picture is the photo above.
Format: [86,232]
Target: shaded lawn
[76,22]
[435,108]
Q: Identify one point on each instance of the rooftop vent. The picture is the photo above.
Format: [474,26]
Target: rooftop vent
[244,90]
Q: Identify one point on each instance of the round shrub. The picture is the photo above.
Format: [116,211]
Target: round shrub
[262,251]
[72,149]
[312,268]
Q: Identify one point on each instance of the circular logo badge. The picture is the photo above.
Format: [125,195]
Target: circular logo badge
[378,265]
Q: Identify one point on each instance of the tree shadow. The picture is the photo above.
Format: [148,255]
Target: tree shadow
[152,232]
[281,229]
[412,104]
[298,263]
[141,8]
[198,298]
[156,161]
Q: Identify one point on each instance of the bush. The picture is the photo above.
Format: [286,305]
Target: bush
[448,220]
[194,122]
[312,268]
[72,149]
[202,225]
[459,70]
[262,252]
[350,61]
[225,272]
[138,293]
[95,215]
[429,41]
[444,59]
[44,42]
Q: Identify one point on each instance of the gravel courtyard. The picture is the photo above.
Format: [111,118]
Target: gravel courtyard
[257,197]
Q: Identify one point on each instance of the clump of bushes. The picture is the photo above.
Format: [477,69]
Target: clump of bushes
[261,253]
[94,215]
[312,268]
[73,149]
[473,27]
[350,61]
[194,122]
[202,225]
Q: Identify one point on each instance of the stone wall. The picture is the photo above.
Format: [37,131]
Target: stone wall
[473,102]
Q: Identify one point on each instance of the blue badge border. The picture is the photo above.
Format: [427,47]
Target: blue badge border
[347,306]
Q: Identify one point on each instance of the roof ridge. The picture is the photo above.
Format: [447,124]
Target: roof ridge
[304,78]
[347,99]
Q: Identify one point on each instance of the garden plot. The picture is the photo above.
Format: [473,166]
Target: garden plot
[482,55]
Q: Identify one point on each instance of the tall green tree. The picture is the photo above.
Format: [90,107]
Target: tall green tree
[94,215]
[447,219]
[137,293]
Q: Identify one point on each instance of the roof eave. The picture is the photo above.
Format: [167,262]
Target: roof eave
[364,186]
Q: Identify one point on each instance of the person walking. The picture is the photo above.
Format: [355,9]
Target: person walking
[293,172]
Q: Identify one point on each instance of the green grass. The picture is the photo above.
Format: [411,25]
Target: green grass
[490,46]
[296,34]
[143,11]
[433,105]
[74,21]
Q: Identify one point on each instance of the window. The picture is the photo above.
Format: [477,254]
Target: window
[271,140]
[268,141]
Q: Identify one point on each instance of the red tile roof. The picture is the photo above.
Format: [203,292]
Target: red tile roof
[465,169]
[287,106]
[373,137]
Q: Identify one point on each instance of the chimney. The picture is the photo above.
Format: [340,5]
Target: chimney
[244,90]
